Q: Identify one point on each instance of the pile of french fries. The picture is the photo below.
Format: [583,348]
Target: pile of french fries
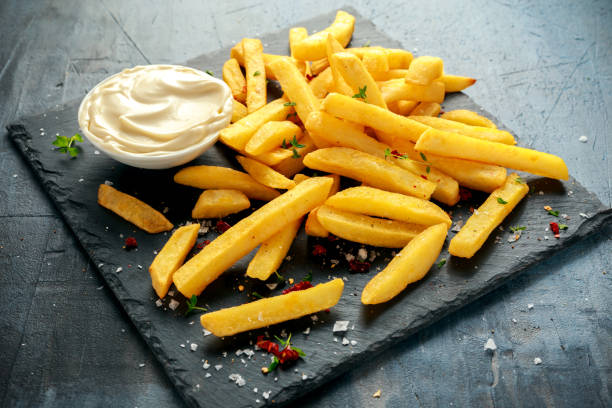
[371,114]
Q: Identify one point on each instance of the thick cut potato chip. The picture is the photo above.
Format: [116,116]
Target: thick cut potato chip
[454,83]
[379,203]
[193,277]
[238,53]
[295,87]
[273,310]
[255,71]
[402,107]
[171,257]
[296,34]
[271,252]
[239,112]
[264,174]
[518,158]
[366,230]
[357,77]
[233,77]
[399,59]
[215,177]
[295,163]
[323,83]
[312,48]
[340,85]
[133,210]
[426,109]
[318,66]
[313,227]
[271,158]
[469,118]
[410,265]
[424,70]
[478,132]
[369,169]
[375,60]
[489,215]
[271,135]
[398,89]
[219,203]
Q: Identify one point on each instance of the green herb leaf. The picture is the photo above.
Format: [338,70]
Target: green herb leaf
[501,201]
[209,72]
[60,141]
[553,212]
[280,277]
[273,364]
[428,169]
[387,152]
[295,143]
[519,180]
[284,144]
[65,145]
[299,351]
[296,155]
[257,295]
[73,151]
[308,277]
[362,93]
[423,156]
[289,104]
[289,115]
[442,263]
[256,73]
[367,44]
[192,305]
[518,228]
[562,226]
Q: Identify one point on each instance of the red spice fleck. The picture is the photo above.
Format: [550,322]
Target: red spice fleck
[319,250]
[298,286]
[359,266]
[222,226]
[554,227]
[309,77]
[130,243]
[288,354]
[464,194]
[267,345]
[332,237]
[423,177]
[244,89]
[472,210]
[203,244]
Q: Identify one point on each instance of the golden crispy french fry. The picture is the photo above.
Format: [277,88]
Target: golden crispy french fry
[518,158]
[471,174]
[171,257]
[426,109]
[271,158]
[373,170]
[298,178]
[478,132]
[312,48]
[219,203]
[402,107]
[133,210]
[271,135]
[375,60]
[454,83]
[243,237]
[215,177]
[238,134]
[296,34]
[379,203]
[332,46]
[398,89]
[322,84]
[238,54]
[255,71]
[410,265]
[490,214]
[295,87]
[318,66]
[313,227]
[272,251]
[390,74]
[264,174]
[366,230]
[357,77]
[469,118]
[337,132]
[233,77]
[272,310]
[239,112]
[373,116]
[398,59]
[424,70]
[295,163]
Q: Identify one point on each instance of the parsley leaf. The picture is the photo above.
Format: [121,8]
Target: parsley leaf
[362,93]
[423,156]
[553,212]
[519,180]
[296,155]
[442,262]
[256,73]
[273,364]
[280,277]
[284,144]
[289,115]
[387,152]
[289,104]
[501,201]
[294,143]
[518,228]
[191,305]
[308,277]
[428,169]
[65,144]
[299,351]
[562,226]
[257,295]
[209,72]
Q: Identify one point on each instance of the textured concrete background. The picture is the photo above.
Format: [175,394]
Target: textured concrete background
[544,69]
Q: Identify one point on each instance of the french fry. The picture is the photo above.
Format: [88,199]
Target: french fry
[484,133]
[271,252]
[379,203]
[273,310]
[197,273]
[312,48]
[402,107]
[366,230]
[469,118]
[318,66]
[133,210]
[398,89]
[298,178]
[375,60]
[454,83]
[233,77]
[238,134]
[271,135]
[313,227]
[490,214]
[238,54]
[239,112]
[426,109]
[255,71]
[215,177]
[332,46]
[373,116]
[271,158]
[518,158]
[323,83]
[296,34]
[219,203]
[295,87]
[264,174]
[336,132]
[295,163]
[410,265]
[390,74]
[171,257]
[370,169]
[398,59]
[357,77]
[424,70]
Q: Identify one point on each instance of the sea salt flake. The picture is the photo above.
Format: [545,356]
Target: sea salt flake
[362,254]
[307,331]
[108,182]
[353,342]
[158,303]
[206,332]
[218,367]
[141,365]
[266,394]
[119,269]
[340,326]
[530,306]
[537,361]
[237,378]
[208,375]
[345,341]
[490,345]
[96,152]
[206,366]
[583,139]
[457,226]
[173,304]
[193,346]
[304,377]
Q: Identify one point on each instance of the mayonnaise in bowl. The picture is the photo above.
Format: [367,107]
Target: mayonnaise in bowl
[156,116]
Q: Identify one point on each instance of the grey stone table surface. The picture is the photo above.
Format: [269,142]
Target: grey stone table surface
[543,68]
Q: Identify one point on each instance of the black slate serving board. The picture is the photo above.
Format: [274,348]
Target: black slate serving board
[72,185]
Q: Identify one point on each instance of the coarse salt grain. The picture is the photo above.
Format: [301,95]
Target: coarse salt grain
[340,326]
[490,345]
[266,394]
[583,139]
[206,366]
[119,269]
[206,332]
[193,346]
[237,378]
[208,375]
[141,365]
[530,306]
[362,254]
[158,303]
[307,331]
[173,304]
[537,361]
[304,377]
[218,367]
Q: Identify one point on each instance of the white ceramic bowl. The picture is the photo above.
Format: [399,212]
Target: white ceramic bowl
[169,159]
